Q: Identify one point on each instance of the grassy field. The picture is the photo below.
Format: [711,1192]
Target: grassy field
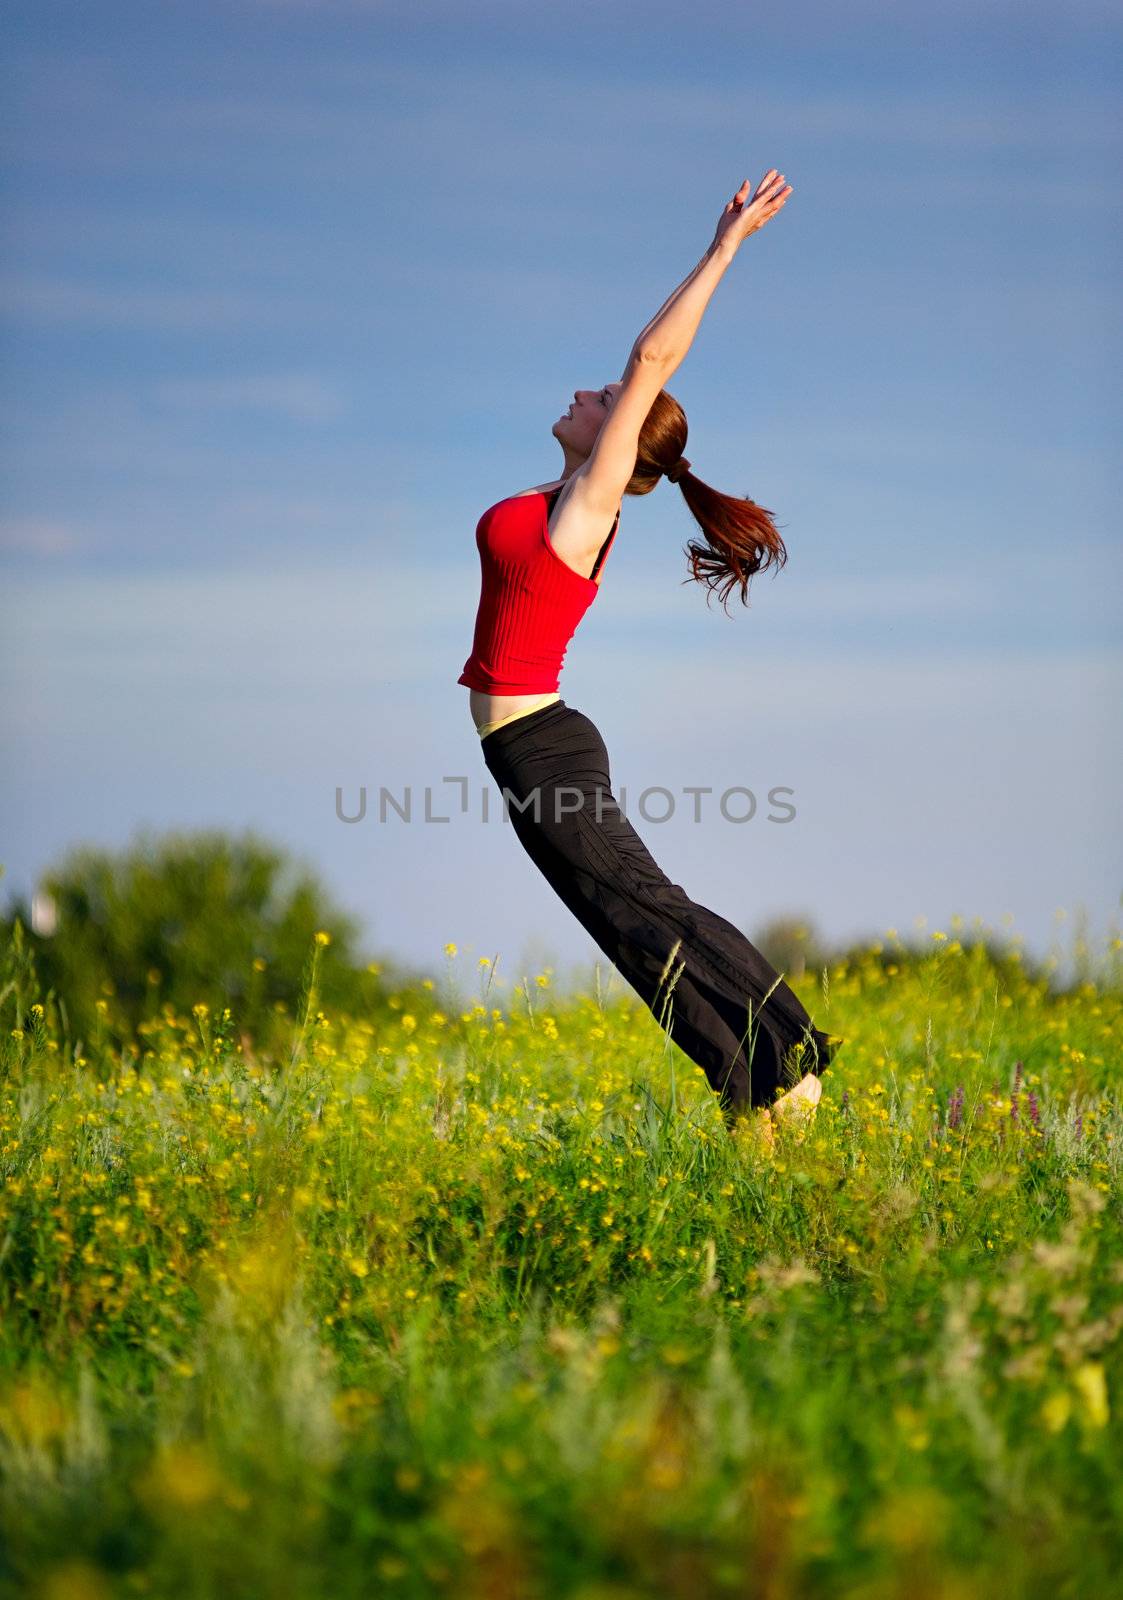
[479,1300]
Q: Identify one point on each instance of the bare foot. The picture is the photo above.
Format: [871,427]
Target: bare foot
[754,1124]
[800,1101]
[797,1105]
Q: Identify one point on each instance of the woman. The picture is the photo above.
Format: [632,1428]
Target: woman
[541,555]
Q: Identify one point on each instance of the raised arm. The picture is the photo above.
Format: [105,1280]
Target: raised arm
[670,333]
[662,345]
[668,337]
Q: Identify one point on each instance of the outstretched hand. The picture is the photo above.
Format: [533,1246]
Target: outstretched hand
[743,216]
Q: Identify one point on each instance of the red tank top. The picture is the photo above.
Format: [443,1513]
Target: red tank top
[530,599]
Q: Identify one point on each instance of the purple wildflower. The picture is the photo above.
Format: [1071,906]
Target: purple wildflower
[1078,1126]
[1034,1113]
[1013,1108]
[1017,1076]
[955,1108]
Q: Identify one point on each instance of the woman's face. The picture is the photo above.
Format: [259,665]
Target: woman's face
[578,427]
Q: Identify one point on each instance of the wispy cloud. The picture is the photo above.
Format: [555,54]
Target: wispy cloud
[828,688]
[137,306]
[391,621]
[120,429]
[43,536]
[305,397]
[342,117]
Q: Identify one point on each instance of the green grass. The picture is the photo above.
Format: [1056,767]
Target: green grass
[484,1303]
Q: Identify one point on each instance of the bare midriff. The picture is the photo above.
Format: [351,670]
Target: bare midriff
[490,711]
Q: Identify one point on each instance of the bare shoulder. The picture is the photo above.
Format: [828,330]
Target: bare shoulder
[540,488]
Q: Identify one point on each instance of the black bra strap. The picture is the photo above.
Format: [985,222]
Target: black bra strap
[604,547]
[552,496]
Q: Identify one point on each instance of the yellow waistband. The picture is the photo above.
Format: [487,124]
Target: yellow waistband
[490,727]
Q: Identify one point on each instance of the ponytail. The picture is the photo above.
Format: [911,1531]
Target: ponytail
[740,537]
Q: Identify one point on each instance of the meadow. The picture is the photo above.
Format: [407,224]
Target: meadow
[478,1299]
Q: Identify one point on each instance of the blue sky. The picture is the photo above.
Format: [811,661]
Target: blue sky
[291,292]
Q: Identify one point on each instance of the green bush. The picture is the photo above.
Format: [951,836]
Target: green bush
[185,918]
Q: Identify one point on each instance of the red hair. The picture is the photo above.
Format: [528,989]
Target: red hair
[740,536]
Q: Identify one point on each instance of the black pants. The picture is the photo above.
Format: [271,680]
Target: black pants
[721,1002]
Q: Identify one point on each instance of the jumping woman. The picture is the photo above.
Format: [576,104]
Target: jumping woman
[541,555]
